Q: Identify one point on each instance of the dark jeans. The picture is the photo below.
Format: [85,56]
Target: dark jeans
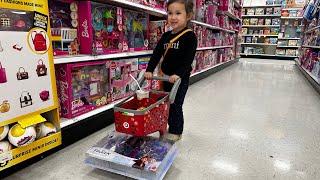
[176,120]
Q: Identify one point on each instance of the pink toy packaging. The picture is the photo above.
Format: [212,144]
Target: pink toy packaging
[82,87]
[157,28]
[136,31]
[120,79]
[64,27]
[101,28]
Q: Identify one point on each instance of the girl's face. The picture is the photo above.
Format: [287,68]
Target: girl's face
[177,16]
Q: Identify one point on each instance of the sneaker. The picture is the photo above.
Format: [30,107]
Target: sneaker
[173,137]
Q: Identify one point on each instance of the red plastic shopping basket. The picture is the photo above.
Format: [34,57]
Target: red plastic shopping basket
[146,116]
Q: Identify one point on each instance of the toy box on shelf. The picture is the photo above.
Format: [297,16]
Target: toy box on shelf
[27,88]
[157,28]
[83,87]
[136,31]
[206,12]
[108,29]
[64,27]
[309,59]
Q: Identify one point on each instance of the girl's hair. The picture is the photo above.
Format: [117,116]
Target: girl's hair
[188,4]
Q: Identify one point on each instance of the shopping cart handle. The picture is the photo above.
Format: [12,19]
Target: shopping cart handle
[174,90]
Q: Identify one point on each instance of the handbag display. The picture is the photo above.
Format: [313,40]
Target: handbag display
[22,74]
[3,76]
[25,99]
[41,68]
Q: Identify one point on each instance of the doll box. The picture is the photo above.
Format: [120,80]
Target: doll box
[82,87]
[64,27]
[106,29]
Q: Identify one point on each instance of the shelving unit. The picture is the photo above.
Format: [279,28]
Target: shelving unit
[287,45]
[308,61]
[262,44]
[313,47]
[260,26]
[269,55]
[288,38]
[260,35]
[271,15]
[212,27]
[291,17]
[262,6]
[312,29]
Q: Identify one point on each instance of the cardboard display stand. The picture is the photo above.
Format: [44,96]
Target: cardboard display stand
[27,79]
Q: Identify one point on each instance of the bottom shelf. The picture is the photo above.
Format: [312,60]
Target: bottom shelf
[315,82]
[207,72]
[20,154]
[269,55]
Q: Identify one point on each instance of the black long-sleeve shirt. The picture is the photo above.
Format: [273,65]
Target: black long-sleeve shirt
[179,57]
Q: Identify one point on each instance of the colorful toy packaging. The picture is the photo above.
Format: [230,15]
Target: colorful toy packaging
[108,29]
[64,27]
[120,79]
[101,28]
[157,28]
[136,31]
[82,87]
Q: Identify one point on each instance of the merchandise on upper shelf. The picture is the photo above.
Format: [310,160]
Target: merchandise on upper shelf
[157,28]
[208,38]
[64,27]
[158,4]
[206,11]
[109,29]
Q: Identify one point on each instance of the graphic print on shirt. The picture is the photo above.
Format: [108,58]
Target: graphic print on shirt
[173,45]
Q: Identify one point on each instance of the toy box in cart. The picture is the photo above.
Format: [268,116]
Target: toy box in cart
[134,154]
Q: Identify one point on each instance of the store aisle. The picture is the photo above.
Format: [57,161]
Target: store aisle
[258,119]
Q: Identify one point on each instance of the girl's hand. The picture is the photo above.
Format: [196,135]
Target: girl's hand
[173,78]
[148,75]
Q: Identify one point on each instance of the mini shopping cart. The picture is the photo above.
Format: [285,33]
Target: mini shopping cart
[146,116]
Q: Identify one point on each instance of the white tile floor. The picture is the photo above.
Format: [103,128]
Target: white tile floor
[258,119]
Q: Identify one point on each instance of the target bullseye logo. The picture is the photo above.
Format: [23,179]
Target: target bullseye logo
[126,125]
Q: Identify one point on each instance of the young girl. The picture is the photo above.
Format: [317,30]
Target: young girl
[177,59]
